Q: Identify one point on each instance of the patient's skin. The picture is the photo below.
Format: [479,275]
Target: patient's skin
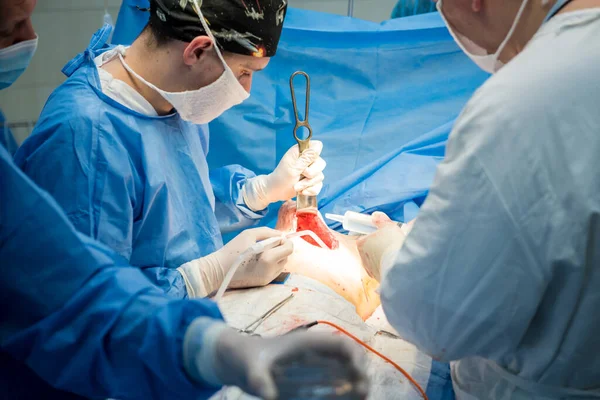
[339,269]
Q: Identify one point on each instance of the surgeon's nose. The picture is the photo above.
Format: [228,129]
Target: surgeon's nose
[25,32]
[246,83]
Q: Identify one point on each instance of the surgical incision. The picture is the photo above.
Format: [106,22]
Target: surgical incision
[340,269]
[310,220]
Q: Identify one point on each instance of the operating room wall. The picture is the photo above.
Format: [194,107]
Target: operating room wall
[65,27]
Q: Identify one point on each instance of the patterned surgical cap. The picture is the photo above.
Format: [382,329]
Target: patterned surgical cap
[247,27]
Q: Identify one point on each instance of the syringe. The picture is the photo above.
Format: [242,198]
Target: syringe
[356,222]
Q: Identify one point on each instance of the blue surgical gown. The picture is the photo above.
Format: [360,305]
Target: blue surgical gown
[406,8]
[137,183]
[501,271]
[75,316]
[7,140]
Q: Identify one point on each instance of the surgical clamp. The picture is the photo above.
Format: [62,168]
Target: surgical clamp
[250,329]
[302,201]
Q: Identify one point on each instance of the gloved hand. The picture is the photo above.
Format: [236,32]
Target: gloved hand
[381,219]
[302,173]
[227,357]
[388,239]
[205,275]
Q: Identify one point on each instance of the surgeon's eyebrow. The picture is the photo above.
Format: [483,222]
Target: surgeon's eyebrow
[6,31]
[252,67]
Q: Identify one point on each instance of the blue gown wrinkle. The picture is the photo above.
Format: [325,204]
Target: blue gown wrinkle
[7,140]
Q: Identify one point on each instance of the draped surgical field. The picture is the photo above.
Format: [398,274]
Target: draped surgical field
[339,269]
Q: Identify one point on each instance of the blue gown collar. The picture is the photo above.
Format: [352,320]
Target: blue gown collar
[98,45]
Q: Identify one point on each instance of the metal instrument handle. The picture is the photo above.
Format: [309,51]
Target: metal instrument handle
[303,144]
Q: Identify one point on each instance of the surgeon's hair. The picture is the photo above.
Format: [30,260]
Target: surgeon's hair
[156,36]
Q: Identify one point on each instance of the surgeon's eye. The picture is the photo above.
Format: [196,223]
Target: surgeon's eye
[4,33]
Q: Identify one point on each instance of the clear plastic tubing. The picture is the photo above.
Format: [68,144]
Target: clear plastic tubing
[308,233]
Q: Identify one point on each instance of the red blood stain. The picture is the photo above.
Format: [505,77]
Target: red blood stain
[309,220]
[295,289]
[291,322]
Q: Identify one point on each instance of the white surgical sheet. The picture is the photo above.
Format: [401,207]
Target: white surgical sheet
[315,301]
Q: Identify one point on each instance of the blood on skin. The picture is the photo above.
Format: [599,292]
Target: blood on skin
[309,220]
[341,270]
[292,322]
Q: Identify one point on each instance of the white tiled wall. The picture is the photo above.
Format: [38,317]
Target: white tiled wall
[65,27]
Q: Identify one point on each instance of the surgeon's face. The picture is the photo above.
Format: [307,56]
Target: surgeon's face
[485,22]
[205,66]
[15,21]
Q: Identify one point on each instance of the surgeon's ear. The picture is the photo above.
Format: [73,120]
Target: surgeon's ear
[199,46]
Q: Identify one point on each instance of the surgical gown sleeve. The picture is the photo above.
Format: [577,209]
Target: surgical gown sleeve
[7,140]
[462,284]
[74,313]
[95,181]
[232,212]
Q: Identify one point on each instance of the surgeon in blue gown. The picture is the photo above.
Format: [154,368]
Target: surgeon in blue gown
[118,147]
[7,140]
[75,318]
[77,322]
[500,273]
[407,8]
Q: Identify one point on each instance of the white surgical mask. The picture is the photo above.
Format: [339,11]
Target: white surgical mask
[14,60]
[487,62]
[203,105]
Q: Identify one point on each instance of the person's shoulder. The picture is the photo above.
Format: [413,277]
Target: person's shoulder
[500,123]
[75,99]
[552,80]
[74,124]
[67,114]
[556,68]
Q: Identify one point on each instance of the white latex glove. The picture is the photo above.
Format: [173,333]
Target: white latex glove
[374,248]
[252,364]
[205,275]
[295,173]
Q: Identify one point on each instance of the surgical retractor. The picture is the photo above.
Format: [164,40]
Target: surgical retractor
[302,201]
